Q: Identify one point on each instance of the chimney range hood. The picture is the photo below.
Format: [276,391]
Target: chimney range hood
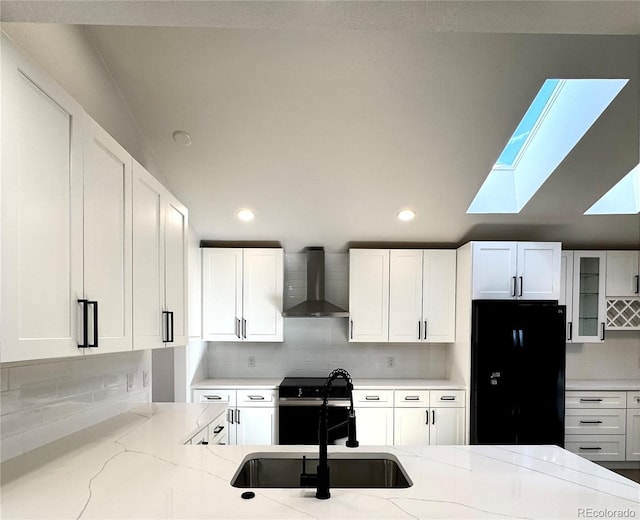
[315,306]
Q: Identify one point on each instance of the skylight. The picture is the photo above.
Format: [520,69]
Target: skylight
[559,116]
[622,199]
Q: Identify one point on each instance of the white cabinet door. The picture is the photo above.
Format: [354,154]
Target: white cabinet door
[148,260]
[633,434]
[263,271]
[369,295]
[374,426]
[411,426]
[405,295]
[255,426]
[622,274]
[221,294]
[41,210]
[538,276]
[494,270]
[566,290]
[439,296]
[176,246]
[589,304]
[447,426]
[107,238]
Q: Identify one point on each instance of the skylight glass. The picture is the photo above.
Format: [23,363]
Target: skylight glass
[526,127]
[559,116]
[622,199]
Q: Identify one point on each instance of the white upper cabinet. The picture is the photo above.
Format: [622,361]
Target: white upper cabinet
[107,238]
[369,295]
[42,210]
[516,270]
[242,294]
[160,244]
[623,274]
[589,304]
[422,295]
[566,290]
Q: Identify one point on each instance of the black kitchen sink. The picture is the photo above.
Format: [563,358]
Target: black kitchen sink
[282,470]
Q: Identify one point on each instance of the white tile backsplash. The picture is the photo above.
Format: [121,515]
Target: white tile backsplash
[44,401]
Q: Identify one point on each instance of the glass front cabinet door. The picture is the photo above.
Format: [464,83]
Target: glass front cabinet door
[589,304]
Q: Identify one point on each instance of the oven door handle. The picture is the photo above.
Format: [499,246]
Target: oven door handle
[294,401]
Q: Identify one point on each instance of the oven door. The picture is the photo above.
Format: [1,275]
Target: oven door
[299,418]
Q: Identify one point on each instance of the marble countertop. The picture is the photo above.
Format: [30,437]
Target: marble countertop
[363,384]
[132,466]
[629,385]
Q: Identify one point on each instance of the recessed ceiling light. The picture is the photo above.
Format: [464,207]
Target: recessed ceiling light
[406,214]
[182,138]
[246,215]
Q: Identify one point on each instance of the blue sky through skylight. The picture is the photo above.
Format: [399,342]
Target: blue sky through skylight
[527,125]
[559,116]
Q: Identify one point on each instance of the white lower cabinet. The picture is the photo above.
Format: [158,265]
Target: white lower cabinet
[251,413]
[374,417]
[633,426]
[596,425]
[434,417]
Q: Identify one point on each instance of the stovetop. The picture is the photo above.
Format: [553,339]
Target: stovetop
[301,387]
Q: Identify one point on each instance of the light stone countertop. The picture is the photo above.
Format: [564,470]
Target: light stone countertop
[358,384]
[629,385]
[132,466]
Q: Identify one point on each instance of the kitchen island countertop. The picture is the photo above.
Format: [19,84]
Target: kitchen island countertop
[132,466]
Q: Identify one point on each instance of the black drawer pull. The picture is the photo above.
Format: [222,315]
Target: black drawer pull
[372,398]
[256,398]
[448,398]
[411,398]
[589,448]
[585,400]
[212,397]
[218,429]
[590,422]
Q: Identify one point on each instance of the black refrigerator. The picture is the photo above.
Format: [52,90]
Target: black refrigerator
[517,372]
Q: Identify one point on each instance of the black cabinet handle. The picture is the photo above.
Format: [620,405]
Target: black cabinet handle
[411,398]
[244,328]
[427,415]
[212,397]
[372,398]
[85,323]
[521,286]
[218,429]
[637,277]
[448,398]
[425,329]
[433,416]
[238,328]
[589,448]
[602,335]
[165,326]
[570,336]
[171,326]
[590,422]
[256,398]
[513,280]
[351,332]
[590,400]
[419,330]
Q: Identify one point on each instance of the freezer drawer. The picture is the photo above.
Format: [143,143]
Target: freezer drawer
[596,447]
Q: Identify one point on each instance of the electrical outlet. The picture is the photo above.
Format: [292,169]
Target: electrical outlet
[145,379]
[391,361]
[251,361]
[129,382]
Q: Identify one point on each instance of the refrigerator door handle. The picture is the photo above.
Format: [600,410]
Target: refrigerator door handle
[515,338]
[521,338]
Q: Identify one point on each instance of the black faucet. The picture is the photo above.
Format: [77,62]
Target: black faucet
[321,478]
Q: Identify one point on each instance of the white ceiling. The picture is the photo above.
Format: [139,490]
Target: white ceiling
[326,118]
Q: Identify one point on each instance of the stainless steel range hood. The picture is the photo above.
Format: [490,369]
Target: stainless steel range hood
[315,306]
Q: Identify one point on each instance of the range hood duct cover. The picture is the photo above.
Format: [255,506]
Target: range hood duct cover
[315,306]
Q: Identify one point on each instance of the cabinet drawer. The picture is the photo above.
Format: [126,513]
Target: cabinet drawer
[202,437]
[589,399]
[447,398]
[411,398]
[596,447]
[372,398]
[215,395]
[594,422]
[218,432]
[250,397]
[633,399]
